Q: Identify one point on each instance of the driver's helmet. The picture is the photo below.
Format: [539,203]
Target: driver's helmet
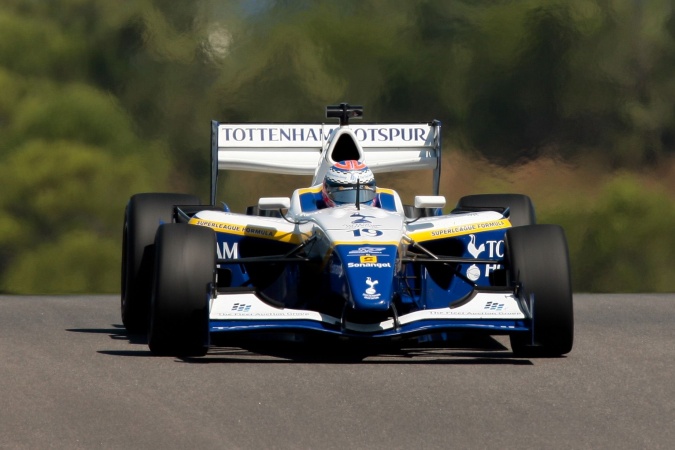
[344,179]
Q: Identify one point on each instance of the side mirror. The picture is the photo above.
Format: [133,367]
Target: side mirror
[274,203]
[429,201]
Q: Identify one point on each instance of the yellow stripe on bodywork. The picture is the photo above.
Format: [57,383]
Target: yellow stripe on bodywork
[384,191]
[310,190]
[250,231]
[458,230]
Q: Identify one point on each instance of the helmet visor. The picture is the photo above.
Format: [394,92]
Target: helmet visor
[347,194]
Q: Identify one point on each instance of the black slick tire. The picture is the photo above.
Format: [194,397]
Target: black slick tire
[538,264]
[185,264]
[143,215]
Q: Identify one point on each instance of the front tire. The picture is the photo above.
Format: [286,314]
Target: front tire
[538,264]
[185,265]
[143,215]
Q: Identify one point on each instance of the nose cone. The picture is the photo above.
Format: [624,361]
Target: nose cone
[374,293]
[370,273]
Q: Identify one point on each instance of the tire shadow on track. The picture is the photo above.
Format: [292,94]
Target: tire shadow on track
[117,332]
[458,349]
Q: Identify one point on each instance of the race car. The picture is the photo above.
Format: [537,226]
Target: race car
[365,267]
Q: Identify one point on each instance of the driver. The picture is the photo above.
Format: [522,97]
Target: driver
[344,179]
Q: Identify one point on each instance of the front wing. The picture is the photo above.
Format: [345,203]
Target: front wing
[490,312]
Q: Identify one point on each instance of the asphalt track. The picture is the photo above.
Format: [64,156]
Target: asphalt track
[70,377]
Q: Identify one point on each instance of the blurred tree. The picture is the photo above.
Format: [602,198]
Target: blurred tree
[103,99]
[70,156]
[572,77]
[623,241]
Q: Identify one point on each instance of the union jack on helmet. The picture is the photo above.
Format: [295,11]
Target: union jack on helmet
[341,180]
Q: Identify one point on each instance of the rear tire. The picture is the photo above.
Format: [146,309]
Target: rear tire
[521,209]
[143,215]
[185,265]
[538,263]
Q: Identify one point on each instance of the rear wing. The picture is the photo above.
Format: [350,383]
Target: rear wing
[302,149]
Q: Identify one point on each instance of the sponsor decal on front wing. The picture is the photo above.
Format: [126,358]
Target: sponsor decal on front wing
[249,307]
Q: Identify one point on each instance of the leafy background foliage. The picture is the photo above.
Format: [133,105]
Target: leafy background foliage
[568,101]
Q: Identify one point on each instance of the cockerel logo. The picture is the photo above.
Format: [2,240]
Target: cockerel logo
[371,290]
[475,251]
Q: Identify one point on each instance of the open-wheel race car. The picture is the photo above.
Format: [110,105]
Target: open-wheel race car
[342,257]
